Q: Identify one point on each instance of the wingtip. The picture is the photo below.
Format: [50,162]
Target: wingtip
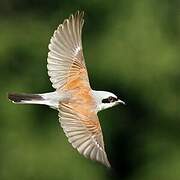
[107,163]
[79,13]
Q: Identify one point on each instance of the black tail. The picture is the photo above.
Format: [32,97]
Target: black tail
[18,98]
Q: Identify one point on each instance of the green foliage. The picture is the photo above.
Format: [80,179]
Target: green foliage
[131,49]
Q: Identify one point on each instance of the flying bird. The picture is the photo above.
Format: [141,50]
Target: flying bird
[73,97]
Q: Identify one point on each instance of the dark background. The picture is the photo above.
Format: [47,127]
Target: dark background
[131,49]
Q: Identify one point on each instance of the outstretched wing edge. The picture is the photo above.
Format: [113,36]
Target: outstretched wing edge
[65,58]
[84,133]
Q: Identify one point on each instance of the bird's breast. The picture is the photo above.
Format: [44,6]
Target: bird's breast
[82,101]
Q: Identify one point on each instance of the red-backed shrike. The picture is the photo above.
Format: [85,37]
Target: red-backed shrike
[73,97]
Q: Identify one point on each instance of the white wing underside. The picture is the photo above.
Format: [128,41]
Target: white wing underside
[67,72]
[65,49]
[84,136]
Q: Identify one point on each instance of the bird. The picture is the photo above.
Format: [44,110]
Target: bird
[74,99]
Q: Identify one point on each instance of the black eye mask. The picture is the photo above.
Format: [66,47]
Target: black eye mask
[110,99]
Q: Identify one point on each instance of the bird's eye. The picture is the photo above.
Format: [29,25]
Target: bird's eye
[110,99]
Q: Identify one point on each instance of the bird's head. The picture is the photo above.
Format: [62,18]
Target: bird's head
[105,99]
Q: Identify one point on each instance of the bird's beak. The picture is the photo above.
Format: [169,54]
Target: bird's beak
[121,102]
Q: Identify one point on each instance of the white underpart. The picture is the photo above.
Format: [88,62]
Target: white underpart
[51,99]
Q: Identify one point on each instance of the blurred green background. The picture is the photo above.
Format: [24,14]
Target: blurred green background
[132,48]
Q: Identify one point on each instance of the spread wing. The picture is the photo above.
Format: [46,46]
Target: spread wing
[83,130]
[67,71]
[65,58]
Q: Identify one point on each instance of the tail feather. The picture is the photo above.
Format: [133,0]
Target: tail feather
[24,98]
[51,99]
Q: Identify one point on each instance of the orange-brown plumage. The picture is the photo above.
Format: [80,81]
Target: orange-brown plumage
[73,97]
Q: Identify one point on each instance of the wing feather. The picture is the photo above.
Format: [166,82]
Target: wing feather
[65,58]
[67,71]
[83,132]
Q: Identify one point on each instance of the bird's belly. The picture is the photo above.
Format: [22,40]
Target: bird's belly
[82,101]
